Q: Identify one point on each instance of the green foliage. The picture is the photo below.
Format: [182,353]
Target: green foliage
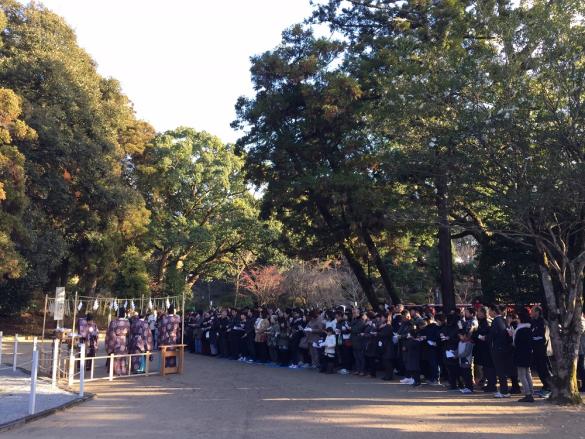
[67,170]
[132,276]
[202,214]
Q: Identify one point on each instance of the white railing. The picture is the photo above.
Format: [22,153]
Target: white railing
[61,362]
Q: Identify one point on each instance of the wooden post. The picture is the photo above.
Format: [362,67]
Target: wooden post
[44,318]
[146,362]
[74,318]
[15,353]
[81,369]
[55,363]
[141,303]
[111,377]
[1,334]
[71,367]
[33,383]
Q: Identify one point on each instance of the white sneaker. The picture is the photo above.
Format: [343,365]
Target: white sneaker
[501,395]
[293,366]
[343,372]
[405,380]
[466,391]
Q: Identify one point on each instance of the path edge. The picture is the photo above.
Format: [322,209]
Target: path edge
[29,418]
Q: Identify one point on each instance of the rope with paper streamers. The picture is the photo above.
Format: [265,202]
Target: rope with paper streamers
[105,305]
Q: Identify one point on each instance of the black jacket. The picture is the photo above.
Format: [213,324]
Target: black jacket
[481,349]
[540,337]
[500,340]
[388,348]
[523,347]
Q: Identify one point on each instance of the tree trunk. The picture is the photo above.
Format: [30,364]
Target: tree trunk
[162,267]
[566,327]
[91,285]
[360,275]
[382,269]
[353,262]
[445,250]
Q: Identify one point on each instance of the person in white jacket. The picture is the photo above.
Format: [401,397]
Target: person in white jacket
[328,345]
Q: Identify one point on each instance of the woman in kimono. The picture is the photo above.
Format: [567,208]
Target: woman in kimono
[141,341]
[88,334]
[117,341]
[168,333]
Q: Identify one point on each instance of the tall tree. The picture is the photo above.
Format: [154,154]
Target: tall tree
[307,152]
[202,213]
[86,128]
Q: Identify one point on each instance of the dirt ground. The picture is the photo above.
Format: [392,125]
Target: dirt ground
[224,399]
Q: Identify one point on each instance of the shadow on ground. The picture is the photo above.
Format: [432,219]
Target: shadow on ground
[223,399]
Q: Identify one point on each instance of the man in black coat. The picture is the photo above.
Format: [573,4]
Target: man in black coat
[501,349]
[482,355]
[388,348]
[541,349]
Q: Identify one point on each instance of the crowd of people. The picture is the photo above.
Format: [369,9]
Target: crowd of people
[490,349]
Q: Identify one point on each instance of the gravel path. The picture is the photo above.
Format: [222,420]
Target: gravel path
[216,399]
[14,393]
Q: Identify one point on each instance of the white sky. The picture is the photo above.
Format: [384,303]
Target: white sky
[182,62]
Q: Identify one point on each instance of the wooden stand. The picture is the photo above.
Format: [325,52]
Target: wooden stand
[176,351]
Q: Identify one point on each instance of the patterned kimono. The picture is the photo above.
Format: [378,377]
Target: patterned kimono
[88,334]
[168,334]
[140,341]
[117,343]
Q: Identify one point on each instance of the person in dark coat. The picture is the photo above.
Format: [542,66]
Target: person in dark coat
[430,336]
[388,348]
[358,325]
[406,325]
[412,357]
[371,346]
[481,351]
[449,336]
[542,351]
[501,349]
[523,350]
[223,331]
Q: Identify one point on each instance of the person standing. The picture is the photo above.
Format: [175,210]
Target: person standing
[501,349]
[388,348]
[358,325]
[465,358]
[523,352]
[89,335]
[314,331]
[117,341]
[169,333]
[261,326]
[140,341]
[482,352]
[449,335]
[152,320]
[541,349]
